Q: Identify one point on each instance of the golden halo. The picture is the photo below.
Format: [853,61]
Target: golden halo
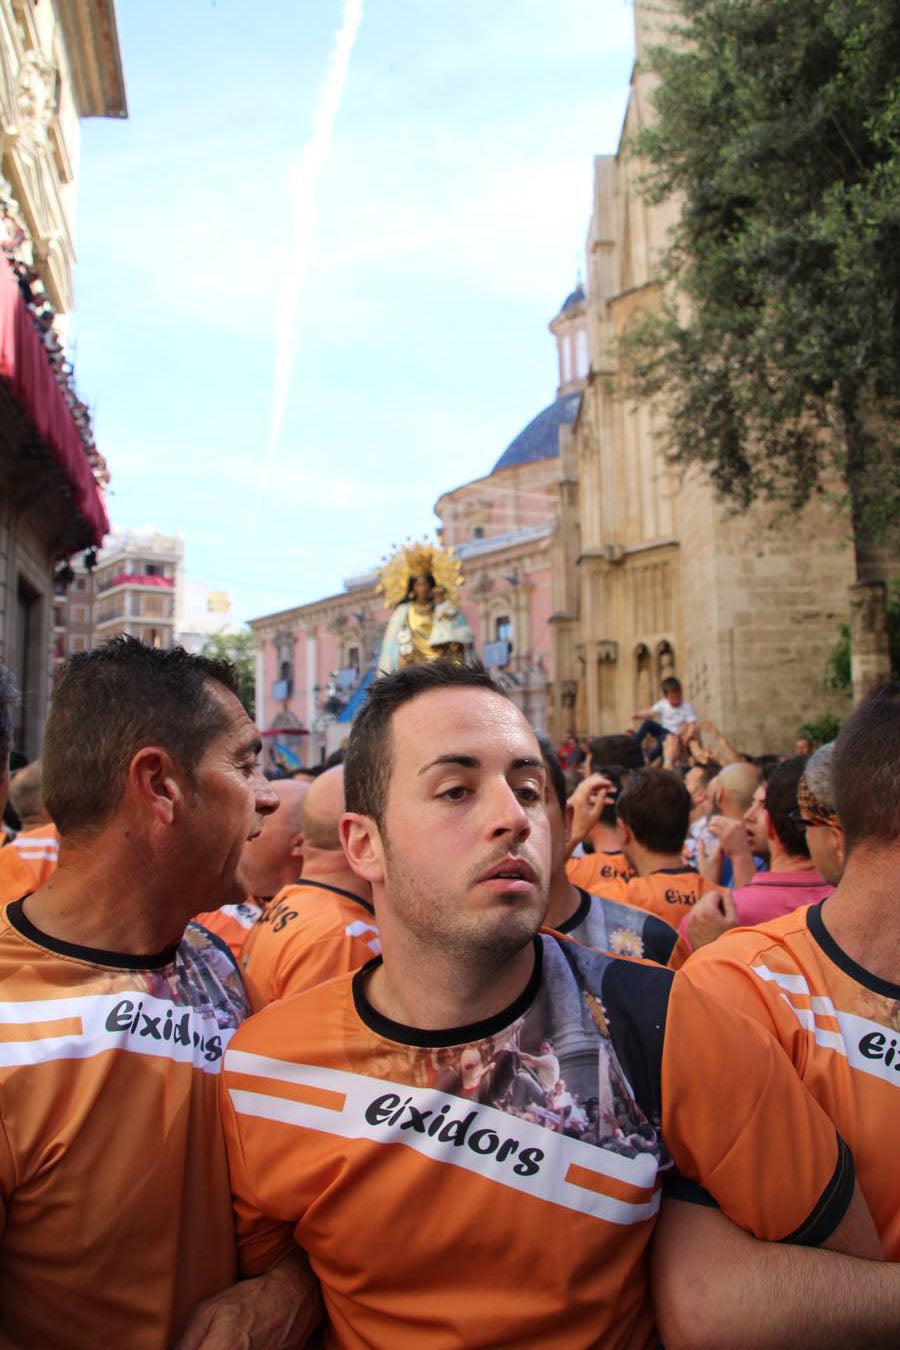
[416,558]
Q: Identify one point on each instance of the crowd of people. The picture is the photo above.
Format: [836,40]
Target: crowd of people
[17,245]
[460,1040]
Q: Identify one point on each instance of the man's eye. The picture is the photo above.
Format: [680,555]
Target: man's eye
[454,794]
[530,794]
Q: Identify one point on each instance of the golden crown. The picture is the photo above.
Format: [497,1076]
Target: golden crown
[417,558]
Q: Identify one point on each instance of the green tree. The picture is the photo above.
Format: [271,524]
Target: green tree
[778,124]
[839,667]
[240,649]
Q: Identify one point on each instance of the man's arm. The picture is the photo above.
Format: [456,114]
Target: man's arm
[587,803]
[715,1286]
[275,1311]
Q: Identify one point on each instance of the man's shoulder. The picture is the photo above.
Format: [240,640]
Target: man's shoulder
[293,1028]
[626,986]
[310,907]
[780,940]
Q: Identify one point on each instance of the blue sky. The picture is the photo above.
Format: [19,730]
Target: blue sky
[451,215]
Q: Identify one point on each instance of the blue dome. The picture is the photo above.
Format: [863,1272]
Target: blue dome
[577,297]
[540,439]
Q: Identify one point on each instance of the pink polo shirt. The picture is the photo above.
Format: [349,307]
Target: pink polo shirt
[771,894]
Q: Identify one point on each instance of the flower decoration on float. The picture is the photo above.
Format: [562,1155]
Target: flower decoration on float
[416,558]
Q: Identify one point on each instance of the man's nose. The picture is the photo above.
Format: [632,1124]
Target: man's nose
[267,799]
[509,815]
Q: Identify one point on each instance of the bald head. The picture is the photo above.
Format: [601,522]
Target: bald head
[323,809]
[274,858]
[733,788]
[25,796]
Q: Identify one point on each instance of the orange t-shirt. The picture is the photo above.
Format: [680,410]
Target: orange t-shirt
[498,1184]
[593,871]
[669,893]
[232,923]
[27,861]
[310,933]
[839,1025]
[115,1219]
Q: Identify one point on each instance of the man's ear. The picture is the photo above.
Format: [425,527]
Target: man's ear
[840,844]
[623,834]
[363,849]
[156,783]
[297,845]
[770,828]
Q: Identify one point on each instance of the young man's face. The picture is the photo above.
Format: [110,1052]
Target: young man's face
[675,697]
[755,822]
[229,800]
[465,845]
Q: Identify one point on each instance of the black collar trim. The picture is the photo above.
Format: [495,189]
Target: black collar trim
[575,920]
[446,1036]
[674,871]
[820,933]
[335,890]
[92,955]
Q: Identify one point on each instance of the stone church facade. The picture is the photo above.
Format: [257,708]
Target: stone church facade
[651,574]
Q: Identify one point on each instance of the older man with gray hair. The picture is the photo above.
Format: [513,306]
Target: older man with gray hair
[817,816]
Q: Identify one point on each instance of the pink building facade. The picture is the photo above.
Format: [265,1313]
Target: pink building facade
[316,661]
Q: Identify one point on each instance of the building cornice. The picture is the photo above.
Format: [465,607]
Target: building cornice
[92,44]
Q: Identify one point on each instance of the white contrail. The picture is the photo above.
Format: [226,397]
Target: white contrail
[302,190]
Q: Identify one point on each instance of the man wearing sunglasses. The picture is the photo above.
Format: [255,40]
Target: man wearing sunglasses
[826,979]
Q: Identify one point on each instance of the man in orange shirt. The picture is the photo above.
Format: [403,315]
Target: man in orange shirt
[274,859]
[652,812]
[573,910]
[28,859]
[593,814]
[407,1107]
[826,979]
[115,1012]
[323,925]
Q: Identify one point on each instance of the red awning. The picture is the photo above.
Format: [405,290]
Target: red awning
[136,579]
[25,368]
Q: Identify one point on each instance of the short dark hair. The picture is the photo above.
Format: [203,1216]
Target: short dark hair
[615,773]
[554,772]
[671,685]
[110,702]
[9,698]
[621,750]
[865,769]
[656,807]
[369,759]
[707,771]
[767,764]
[781,804]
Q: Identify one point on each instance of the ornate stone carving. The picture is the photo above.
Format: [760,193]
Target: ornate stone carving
[36,95]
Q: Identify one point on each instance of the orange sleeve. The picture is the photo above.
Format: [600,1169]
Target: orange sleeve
[722,970]
[262,1241]
[738,1121]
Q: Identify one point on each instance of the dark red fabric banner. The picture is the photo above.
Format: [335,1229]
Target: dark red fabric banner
[25,368]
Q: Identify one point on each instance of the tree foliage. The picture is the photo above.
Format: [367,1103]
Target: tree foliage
[240,649]
[778,124]
[838,676]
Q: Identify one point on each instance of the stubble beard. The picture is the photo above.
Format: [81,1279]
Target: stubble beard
[480,940]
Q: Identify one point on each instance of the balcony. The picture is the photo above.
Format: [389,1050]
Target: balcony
[135,579]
